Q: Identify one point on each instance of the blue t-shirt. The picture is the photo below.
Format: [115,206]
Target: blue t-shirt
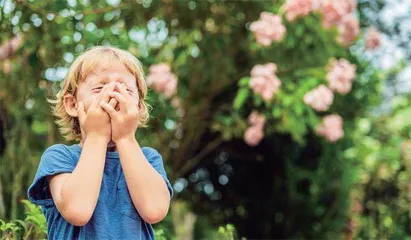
[114,217]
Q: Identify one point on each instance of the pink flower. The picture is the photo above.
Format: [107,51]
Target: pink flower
[255,132]
[334,11]
[373,38]
[319,98]
[268,28]
[331,128]
[340,75]
[10,47]
[348,30]
[264,81]
[160,68]
[176,102]
[256,119]
[253,135]
[297,8]
[162,80]
[264,70]
[340,14]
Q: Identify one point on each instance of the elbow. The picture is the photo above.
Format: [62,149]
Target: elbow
[155,216]
[77,216]
[77,221]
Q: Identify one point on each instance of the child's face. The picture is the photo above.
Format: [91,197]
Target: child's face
[104,74]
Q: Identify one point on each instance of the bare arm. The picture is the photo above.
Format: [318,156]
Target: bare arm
[147,188]
[75,194]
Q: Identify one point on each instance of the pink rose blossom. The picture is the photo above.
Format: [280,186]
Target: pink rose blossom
[264,81]
[372,39]
[319,98]
[268,28]
[340,76]
[176,102]
[334,11]
[339,13]
[348,30]
[255,132]
[253,135]
[297,8]
[160,68]
[10,47]
[331,128]
[256,119]
[162,80]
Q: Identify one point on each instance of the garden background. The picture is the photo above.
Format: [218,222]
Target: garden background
[275,119]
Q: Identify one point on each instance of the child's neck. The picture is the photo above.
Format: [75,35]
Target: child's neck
[111,146]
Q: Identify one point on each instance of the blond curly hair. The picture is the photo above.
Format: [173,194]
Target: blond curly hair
[69,126]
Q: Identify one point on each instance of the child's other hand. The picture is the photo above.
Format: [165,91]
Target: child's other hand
[124,122]
[96,121]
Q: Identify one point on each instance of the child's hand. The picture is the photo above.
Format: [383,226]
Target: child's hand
[123,122]
[96,121]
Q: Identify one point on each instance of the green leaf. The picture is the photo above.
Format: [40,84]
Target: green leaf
[241,97]
[244,81]
[276,112]
[257,100]
[287,101]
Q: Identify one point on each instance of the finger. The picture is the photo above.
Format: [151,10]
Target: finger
[123,90]
[120,99]
[96,101]
[105,97]
[113,102]
[81,112]
[109,109]
[103,92]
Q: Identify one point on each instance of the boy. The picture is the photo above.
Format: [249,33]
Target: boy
[105,187]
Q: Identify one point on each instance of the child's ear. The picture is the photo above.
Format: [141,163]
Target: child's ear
[70,104]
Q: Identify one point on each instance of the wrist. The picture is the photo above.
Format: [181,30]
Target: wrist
[97,138]
[125,139]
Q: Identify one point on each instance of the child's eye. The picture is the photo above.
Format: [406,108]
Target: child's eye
[97,89]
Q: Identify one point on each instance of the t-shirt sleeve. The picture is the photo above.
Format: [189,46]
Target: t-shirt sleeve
[56,159]
[156,161]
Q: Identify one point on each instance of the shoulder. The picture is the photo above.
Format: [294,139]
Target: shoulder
[150,152]
[57,148]
[59,151]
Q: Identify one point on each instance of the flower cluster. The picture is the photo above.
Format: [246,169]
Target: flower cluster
[162,79]
[297,8]
[264,82]
[331,127]
[319,98]
[254,132]
[372,39]
[268,28]
[340,75]
[340,14]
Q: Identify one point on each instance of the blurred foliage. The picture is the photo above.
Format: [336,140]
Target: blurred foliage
[381,198]
[33,227]
[292,185]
